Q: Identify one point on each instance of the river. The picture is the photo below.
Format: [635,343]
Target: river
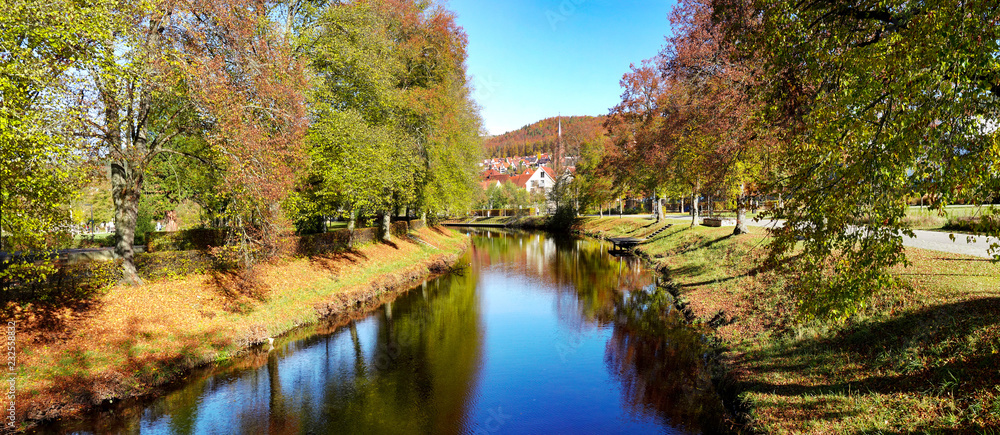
[534,334]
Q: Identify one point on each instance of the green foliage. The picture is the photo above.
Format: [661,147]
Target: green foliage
[505,195]
[39,42]
[986,224]
[193,239]
[393,122]
[144,221]
[876,103]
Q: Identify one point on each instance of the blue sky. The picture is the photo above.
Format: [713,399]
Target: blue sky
[534,59]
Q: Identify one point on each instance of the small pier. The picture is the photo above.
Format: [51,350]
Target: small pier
[625,243]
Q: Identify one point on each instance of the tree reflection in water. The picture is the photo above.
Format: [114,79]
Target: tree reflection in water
[423,362]
[655,355]
[660,362]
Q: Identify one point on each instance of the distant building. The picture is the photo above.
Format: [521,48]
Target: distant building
[540,180]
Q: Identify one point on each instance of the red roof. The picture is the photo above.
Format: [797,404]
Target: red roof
[548,170]
[520,180]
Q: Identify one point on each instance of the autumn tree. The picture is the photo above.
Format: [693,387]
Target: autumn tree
[713,102]
[41,44]
[214,70]
[876,101]
[249,83]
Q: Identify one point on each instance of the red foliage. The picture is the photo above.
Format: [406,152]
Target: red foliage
[244,74]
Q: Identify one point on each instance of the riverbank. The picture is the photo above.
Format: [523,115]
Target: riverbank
[129,341]
[923,357]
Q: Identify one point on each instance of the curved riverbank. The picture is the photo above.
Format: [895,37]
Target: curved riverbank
[922,357]
[131,341]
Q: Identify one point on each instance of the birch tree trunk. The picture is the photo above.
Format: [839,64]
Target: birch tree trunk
[694,208]
[741,212]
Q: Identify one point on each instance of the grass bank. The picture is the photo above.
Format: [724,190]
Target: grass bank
[923,358]
[129,341]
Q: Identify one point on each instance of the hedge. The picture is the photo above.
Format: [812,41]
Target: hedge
[499,212]
[399,229]
[195,239]
[204,238]
[984,224]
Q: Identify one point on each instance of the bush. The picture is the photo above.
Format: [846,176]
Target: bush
[172,264]
[399,229]
[196,239]
[989,224]
[564,220]
[73,281]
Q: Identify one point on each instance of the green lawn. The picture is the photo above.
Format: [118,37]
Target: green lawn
[923,357]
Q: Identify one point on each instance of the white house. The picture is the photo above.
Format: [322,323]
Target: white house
[541,179]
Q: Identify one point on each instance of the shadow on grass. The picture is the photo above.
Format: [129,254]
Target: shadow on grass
[240,289]
[51,307]
[688,270]
[330,261]
[134,361]
[927,352]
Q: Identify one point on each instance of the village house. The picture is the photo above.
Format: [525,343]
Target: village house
[541,179]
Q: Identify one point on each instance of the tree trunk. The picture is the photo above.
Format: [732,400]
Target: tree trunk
[694,208]
[423,216]
[621,208]
[387,227]
[125,190]
[352,221]
[741,213]
[655,206]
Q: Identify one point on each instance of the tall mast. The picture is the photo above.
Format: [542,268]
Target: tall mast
[557,165]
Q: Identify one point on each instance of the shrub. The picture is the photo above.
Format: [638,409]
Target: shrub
[417,224]
[399,229]
[563,220]
[984,224]
[157,265]
[195,239]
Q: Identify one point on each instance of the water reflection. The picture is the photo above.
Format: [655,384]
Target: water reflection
[660,362]
[537,335]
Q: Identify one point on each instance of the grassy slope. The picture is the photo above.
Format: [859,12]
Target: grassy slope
[922,358]
[129,340]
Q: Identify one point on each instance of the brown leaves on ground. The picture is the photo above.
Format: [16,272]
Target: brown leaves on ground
[924,356]
[129,340]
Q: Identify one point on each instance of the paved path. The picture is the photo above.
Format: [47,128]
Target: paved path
[976,246]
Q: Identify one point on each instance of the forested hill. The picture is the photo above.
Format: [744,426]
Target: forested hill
[540,137]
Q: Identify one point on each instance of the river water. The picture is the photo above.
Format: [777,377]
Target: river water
[535,334]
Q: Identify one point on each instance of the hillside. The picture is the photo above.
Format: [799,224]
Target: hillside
[540,137]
